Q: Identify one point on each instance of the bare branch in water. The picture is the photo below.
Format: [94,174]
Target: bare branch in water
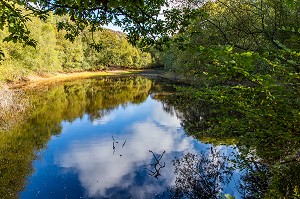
[156,165]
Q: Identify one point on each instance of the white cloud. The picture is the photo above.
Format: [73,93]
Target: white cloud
[163,118]
[105,119]
[103,171]
[99,169]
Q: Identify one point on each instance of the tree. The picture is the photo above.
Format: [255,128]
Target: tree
[138,17]
[241,59]
[245,24]
[19,59]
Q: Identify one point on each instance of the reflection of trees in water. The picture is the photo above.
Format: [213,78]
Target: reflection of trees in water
[194,114]
[263,180]
[50,106]
[206,175]
[200,176]
[275,174]
[254,181]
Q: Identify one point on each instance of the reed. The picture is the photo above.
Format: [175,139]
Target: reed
[13,105]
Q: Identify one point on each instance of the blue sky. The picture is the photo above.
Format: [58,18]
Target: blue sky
[113,27]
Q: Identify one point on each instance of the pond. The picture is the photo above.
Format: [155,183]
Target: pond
[119,137]
[103,138]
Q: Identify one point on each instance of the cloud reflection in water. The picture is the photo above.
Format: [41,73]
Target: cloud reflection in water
[104,174]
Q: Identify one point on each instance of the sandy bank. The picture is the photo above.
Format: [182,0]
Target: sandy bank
[37,80]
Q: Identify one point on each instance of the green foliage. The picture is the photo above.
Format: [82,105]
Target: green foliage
[111,49]
[53,53]
[241,60]
[19,59]
[246,24]
[70,52]
[131,15]
[15,20]
[252,98]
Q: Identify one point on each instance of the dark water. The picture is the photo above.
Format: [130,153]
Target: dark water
[111,138]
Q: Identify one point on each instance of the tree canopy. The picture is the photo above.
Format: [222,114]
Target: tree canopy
[244,24]
[53,53]
[241,59]
[138,18]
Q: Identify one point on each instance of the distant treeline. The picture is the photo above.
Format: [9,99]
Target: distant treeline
[54,53]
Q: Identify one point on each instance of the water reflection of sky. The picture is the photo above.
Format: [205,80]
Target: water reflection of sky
[81,162]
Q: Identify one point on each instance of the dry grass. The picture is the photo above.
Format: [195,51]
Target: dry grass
[13,105]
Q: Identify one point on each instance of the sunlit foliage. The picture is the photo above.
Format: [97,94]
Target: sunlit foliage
[241,60]
[100,50]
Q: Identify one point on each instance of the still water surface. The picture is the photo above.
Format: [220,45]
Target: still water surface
[109,138]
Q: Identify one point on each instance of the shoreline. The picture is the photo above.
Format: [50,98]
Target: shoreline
[31,81]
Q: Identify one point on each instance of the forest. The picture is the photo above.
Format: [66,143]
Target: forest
[242,61]
[238,59]
[53,53]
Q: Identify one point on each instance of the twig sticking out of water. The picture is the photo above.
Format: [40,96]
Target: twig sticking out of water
[114,148]
[115,142]
[156,166]
[114,139]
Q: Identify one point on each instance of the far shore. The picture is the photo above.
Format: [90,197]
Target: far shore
[44,79]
